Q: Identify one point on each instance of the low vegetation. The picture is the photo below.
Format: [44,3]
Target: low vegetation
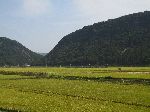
[75,89]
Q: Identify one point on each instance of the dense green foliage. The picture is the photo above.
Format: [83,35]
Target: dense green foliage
[22,92]
[121,41]
[12,53]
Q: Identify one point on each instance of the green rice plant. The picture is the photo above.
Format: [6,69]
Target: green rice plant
[64,90]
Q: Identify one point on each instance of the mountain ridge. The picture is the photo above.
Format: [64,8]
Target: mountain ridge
[13,53]
[121,41]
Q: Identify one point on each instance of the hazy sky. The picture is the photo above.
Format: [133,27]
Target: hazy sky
[40,24]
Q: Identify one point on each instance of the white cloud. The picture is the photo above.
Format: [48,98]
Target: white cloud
[36,7]
[110,8]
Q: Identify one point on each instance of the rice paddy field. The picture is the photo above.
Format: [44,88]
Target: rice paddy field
[37,89]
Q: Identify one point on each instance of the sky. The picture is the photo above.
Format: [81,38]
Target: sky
[41,24]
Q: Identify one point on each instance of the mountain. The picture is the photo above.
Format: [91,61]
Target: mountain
[43,54]
[121,41]
[13,53]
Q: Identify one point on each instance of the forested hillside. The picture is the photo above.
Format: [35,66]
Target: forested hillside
[12,53]
[121,41]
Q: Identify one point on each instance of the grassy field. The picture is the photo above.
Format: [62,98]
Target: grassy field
[75,89]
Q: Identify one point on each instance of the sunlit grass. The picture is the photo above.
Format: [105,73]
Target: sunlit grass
[59,95]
